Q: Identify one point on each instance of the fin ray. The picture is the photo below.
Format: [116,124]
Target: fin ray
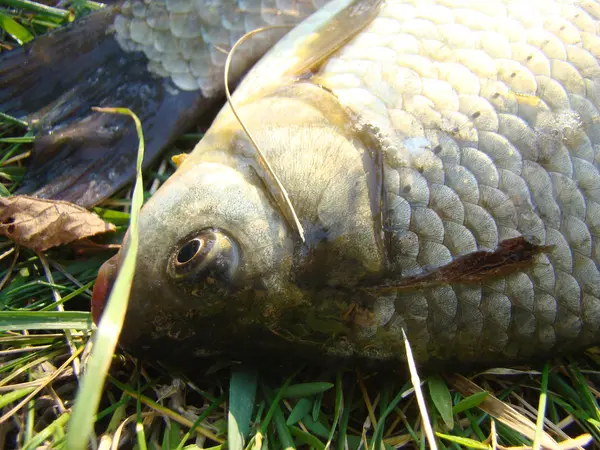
[308,44]
[99,149]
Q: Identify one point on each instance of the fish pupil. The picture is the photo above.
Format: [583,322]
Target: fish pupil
[188,251]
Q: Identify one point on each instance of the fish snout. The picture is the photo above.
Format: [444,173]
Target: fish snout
[104,283]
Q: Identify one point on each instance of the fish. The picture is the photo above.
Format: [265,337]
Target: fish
[164,60]
[434,172]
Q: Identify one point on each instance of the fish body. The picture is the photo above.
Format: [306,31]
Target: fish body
[163,60]
[442,160]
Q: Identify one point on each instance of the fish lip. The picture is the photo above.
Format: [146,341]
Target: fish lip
[103,286]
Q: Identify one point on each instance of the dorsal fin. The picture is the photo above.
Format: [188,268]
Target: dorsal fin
[308,45]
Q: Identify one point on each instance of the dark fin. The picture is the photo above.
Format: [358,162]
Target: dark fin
[34,75]
[80,155]
[510,255]
[87,159]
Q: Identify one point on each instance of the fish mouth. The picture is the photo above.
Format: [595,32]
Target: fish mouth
[103,286]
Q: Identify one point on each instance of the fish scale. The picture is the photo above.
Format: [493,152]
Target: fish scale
[544,191]
[189,41]
[442,158]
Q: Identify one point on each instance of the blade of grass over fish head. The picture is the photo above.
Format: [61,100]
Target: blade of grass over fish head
[332,37]
[109,328]
[277,189]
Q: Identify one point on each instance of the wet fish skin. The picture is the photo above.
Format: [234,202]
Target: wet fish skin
[135,54]
[444,165]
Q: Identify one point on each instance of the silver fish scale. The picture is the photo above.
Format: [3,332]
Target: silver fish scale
[494,107]
[188,41]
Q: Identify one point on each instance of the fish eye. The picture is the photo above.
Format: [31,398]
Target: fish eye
[209,254]
[188,251]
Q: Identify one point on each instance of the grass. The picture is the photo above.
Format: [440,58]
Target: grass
[44,348]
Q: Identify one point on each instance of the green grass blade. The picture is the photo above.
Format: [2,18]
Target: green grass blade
[539,424]
[16,30]
[317,407]
[339,400]
[4,192]
[13,120]
[274,403]
[343,428]
[242,394]
[465,442]
[299,411]
[307,438]
[115,217]
[316,427]
[68,297]
[17,140]
[165,411]
[15,395]
[199,420]
[471,401]
[594,422]
[45,320]
[105,340]
[275,413]
[378,435]
[41,9]
[306,389]
[440,395]
[141,436]
[475,420]
[283,431]
[39,438]
[584,390]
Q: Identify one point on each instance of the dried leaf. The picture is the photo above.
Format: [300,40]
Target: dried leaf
[40,224]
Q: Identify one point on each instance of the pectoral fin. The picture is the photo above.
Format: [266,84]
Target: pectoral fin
[36,74]
[510,256]
[86,159]
[80,155]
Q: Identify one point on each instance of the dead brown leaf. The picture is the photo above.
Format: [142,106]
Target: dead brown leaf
[39,224]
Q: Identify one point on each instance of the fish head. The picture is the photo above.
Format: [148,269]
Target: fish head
[214,256]
[221,268]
